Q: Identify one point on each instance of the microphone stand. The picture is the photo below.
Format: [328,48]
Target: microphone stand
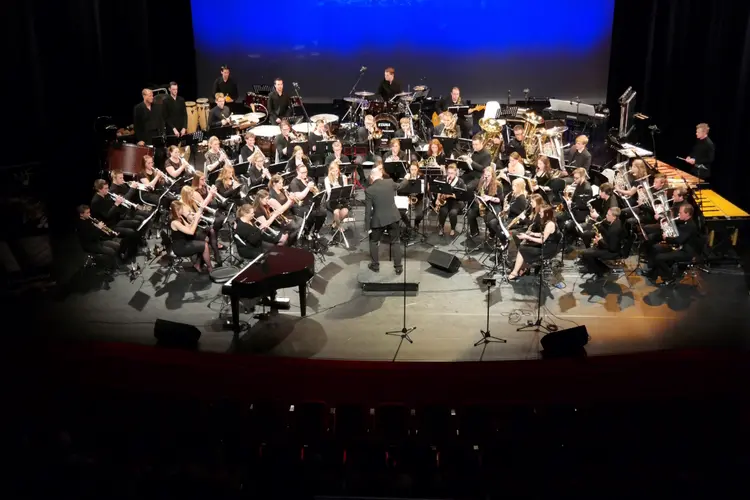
[537,326]
[307,117]
[404,332]
[351,92]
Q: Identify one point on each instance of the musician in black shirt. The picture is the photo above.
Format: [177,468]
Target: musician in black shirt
[454,99]
[606,245]
[577,204]
[257,173]
[279,103]
[450,205]
[112,213]
[129,192]
[94,237]
[304,191]
[219,115]
[175,112]
[516,143]
[703,152]
[653,231]
[249,149]
[580,156]
[682,248]
[286,229]
[598,211]
[480,159]
[283,140]
[147,119]
[489,190]
[389,87]
[225,86]
[337,154]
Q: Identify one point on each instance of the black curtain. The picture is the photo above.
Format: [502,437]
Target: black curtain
[689,61]
[80,59]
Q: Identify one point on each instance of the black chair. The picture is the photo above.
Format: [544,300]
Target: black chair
[694,267]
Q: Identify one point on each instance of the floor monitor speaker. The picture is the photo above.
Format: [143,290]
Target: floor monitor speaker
[444,261]
[171,334]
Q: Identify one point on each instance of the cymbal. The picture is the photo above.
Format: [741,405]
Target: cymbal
[352,99]
[364,93]
[402,94]
[420,88]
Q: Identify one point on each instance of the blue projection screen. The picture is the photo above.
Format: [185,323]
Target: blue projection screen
[555,48]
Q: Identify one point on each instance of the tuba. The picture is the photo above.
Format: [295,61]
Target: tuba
[492,128]
[530,141]
[451,130]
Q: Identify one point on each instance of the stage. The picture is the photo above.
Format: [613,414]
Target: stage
[622,314]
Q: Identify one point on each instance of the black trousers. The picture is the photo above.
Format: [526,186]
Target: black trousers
[315,220]
[376,235]
[663,256]
[450,211]
[593,257]
[128,231]
[105,251]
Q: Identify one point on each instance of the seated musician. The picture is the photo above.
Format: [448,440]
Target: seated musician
[607,200]
[298,159]
[283,203]
[152,181]
[491,192]
[516,142]
[540,242]
[518,200]
[435,154]
[576,204]
[305,190]
[215,156]
[637,171]
[129,191]
[606,244]
[184,241]
[176,165]
[200,194]
[251,231]
[113,214]
[396,154]
[283,141]
[264,214]
[406,131]
[682,248]
[257,173]
[219,115]
[480,159]
[339,208]
[449,205]
[531,216]
[365,134]
[337,154]
[317,136]
[546,179]
[653,231]
[189,199]
[448,126]
[227,184]
[249,149]
[635,197]
[418,209]
[516,166]
[579,156]
[96,239]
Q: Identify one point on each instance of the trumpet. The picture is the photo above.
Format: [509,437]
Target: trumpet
[271,231]
[165,176]
[219,198]
[130,205]
[103,227]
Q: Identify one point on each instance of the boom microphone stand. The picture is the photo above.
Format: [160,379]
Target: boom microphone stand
[307,117]
[537,326]
[351,92]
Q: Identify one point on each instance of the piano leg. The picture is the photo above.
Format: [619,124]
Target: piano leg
[303,299]
[235,313]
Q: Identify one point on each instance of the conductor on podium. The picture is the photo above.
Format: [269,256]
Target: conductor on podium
[382,214]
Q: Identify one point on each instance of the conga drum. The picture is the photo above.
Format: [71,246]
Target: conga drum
[192,116]
[203,108]
[127,157]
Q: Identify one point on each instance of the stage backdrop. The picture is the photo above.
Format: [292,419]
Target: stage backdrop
[487,47]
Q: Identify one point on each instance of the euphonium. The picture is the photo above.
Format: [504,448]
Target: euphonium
[668,227]
[450,129]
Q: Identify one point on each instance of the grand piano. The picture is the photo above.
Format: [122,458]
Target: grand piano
[280,267]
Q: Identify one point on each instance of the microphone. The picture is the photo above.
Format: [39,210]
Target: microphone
[363,69]
[654,129]
[295,84]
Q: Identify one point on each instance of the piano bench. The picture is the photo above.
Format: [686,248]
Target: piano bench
[221,275]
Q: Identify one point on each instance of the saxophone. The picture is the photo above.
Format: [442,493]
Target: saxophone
[450,129]
[482,206]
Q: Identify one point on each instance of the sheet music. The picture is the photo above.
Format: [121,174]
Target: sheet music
[402,202]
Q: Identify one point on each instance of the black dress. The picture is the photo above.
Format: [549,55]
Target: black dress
[184,245]
[532,251]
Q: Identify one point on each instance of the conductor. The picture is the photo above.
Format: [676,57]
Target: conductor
[381,214]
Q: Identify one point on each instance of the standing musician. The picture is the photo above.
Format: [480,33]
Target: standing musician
[389,87]
[152,180]
[252,244]
[258,173]
[215,156]
[147,119]
[540,242]
[447,205]
[435,154]
[516,142]
[279,103]
[682,248]
[305,190]
[175,112]
[480,159]
[225,85]
[176,166]
[605,245]
[579,156]
[418,208]
[249,149]
[381,213]
[267,216]
[454,99]
[96,238]
[396,154]
[577,203]
[227,183]
[219,115]
[283,140]
[488,189]
[190,201]
[703,152]
[339,208]
[184,240]
[280,201]
[607,201]
[298,159]
[112,214]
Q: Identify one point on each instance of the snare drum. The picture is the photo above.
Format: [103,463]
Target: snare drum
[265,136]
[192,116]
[332,121]
[387,123]
[376,107]
[127,157]
[304,128]
[203,108]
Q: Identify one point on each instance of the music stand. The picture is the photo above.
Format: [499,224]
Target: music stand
[277,168]
[487,337]
[395,169]
[221,133]
[404,332]
[336,195]
[317,171]
[449,143]
[415,187]
[464,166]
[407,145]
[241,168]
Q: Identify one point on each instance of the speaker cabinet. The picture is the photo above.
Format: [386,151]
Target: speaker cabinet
[171,334]
[568,342]
[444,261]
